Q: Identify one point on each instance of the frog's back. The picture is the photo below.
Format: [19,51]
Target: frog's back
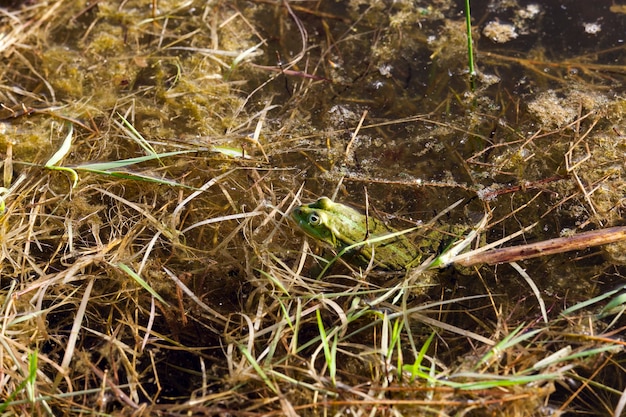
[342,226]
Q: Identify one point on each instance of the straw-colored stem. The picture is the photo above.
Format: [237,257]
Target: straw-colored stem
[547,247]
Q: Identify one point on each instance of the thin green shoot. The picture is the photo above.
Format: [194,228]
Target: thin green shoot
[285,311]
[135,136]
[489,381]
[245,54]
[587,353]
[270,350]
[61,153]
[398,326]
[554,358]
[508,341]
[258,369]
[141,177]
[416,367]
[470,45]
[296,329]
[616,306]
[230,151]
[481,381]
[28,383]
[109,168]
[275,281]
[330,352]
[585,304]
[112,169]
[115,165]
[32,375]
[125,268]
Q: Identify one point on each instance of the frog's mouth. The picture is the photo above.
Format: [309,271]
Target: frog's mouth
[296,216]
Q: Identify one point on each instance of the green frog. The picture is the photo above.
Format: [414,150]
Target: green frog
[341,226]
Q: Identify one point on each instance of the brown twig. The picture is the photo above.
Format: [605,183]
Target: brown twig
[547,247]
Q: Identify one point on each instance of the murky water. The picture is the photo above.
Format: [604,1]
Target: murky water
[369,101]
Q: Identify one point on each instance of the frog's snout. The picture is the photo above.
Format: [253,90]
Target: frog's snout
[296,215]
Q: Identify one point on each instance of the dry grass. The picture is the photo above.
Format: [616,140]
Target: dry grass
[149,267]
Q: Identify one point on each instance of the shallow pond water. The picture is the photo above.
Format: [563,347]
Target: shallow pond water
[280,102]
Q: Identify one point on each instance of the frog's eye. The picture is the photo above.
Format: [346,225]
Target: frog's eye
[315,219]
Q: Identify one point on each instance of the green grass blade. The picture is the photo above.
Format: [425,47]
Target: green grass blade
[32,375]
[470,45]
[134,135]
[140,281]
[591,301]
[511,339]
[60,154]
[275,281]
[138,177]
[28,382]
[416,366]
[258,369]
[72,173]
[230,151]
[616,305]
[329,352]
[113,165]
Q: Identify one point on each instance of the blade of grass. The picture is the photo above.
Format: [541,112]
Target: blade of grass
[591,301]
[134,135]
[330,353]
[139,177]
[32,375]
[28,383]
[274,281]
[417,364]
[470,45]
[243,55]
[258,369]
[509,340]
[230,151]
[564,355]
[74,332]
[63,150]
[615,306]
[61,153]
[114,165]
[534,288]
[396,341]
[139,281]
[479,381]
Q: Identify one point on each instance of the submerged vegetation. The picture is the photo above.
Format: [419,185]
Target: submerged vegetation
[152,153]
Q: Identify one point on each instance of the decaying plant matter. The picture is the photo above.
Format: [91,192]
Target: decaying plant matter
[153,150]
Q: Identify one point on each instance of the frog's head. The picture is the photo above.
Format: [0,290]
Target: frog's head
[315,220]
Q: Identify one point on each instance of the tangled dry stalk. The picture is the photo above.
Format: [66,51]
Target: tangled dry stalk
[150,268]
